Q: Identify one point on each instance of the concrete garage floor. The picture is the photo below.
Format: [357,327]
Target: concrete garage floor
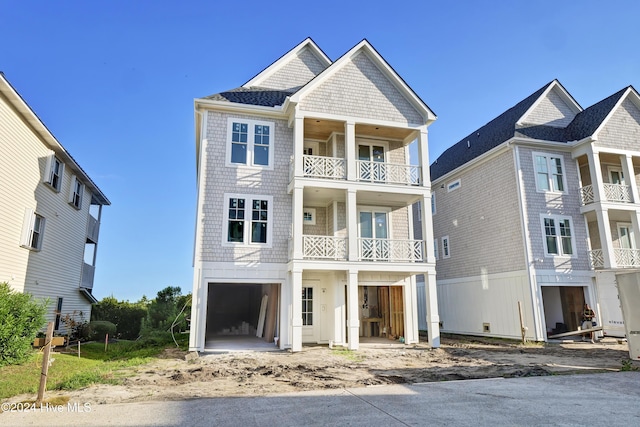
[235,343]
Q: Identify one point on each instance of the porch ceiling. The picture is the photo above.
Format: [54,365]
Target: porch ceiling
[321,197]
[321,129]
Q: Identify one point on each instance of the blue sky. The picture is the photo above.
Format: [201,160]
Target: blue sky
[115,81]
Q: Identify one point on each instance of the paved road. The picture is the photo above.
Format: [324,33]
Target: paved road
[611,399]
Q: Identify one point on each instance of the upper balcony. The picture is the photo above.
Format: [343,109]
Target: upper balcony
[625,258]
[369,249]
[366,171]
[619,193]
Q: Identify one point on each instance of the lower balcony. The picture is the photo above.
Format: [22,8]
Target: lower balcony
[625,258]
[369,249]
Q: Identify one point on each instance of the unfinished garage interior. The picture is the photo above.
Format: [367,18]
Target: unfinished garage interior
[245,314]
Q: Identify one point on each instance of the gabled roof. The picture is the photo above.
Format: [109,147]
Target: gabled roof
[307,43]
[489,136]
[252,96]
[589,121]
[21,106]
[381,63]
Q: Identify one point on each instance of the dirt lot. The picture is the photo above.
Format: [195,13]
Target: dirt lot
[261,373]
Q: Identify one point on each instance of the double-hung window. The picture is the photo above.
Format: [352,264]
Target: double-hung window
[549,172]
[249,220]
[54,172]
[32,230]
[250,143]
[76,192]
[558,236]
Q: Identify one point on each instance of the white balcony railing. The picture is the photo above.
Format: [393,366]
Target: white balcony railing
[391,250]
[612,193]
[627,257]
[324,167]
[335,248]
[324,247]
[391,173]
[624,258]
[596,258]
[93,229]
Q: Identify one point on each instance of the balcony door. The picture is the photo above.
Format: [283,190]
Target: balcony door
[372,159]
[625,236]
[616,176]
[374,233]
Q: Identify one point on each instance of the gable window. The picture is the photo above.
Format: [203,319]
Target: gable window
[558,236]
[53,173]
[549,172]
[75,194]
[250,143]
[445,247]
[307,306]
[453,185]
[249,219]
[32,231]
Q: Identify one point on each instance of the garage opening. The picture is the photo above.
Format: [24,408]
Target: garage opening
[381,312]
[242,313]
[563,306]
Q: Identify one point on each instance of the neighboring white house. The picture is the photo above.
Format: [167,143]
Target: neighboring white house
[49,213]
[541,206]
[304,229]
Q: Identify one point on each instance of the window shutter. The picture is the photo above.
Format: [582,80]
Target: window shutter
[72,189]
[48,166]
[27,226]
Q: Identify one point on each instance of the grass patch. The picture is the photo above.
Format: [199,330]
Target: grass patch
[68,372]
[347,354]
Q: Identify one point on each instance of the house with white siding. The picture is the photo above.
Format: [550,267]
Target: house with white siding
[49,214]
[304,230]
[540,207]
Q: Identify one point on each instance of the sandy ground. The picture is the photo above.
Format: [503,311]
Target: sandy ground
[318,367]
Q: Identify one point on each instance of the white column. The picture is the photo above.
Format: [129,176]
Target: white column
[350,149]
[198,314]
[352,225]
[298,145]
[433,318]
[410,311]
[427,229]
[630,176]
[353,320]
[296,312]
[296,222]
[596,176]
[339,310]
[423,155]
[635,223]
[606,240]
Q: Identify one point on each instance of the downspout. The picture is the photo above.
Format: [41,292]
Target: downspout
[528,256]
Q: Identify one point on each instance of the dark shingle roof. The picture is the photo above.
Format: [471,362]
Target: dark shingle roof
[264,97]
[488,136]
[588,121]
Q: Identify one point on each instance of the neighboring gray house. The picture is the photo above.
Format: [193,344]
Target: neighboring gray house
[304,230]
[541,206]
[50,214]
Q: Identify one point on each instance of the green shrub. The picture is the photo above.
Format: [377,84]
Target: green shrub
[22,318]
[98,329]
[125,315]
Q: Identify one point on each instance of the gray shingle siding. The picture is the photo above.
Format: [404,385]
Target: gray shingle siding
[221,179]
[296,73]
[360,89]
